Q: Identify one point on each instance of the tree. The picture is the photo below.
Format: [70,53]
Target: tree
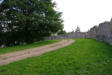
[77,29]
[28,20]
[62,32]
[72,31]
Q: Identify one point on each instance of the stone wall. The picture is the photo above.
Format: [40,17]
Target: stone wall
[103,32]
[68,36]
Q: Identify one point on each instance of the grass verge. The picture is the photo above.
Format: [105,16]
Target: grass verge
[84,57]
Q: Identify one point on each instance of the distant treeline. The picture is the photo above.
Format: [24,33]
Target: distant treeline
[27,21]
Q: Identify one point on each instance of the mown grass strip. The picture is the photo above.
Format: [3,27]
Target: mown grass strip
[84,57]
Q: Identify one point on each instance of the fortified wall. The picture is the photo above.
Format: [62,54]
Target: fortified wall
[103,32]
[68,36]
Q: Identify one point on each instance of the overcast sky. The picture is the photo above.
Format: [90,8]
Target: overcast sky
[84,13]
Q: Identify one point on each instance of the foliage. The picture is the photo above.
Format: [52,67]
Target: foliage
[28,21]
[77,29]
[62,32]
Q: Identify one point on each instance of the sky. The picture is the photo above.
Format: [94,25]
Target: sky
[84,13]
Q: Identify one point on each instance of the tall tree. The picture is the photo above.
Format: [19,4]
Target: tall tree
[29,20]
[77,29]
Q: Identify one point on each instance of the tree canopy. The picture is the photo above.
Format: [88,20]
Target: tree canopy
[28,21]
[77,29]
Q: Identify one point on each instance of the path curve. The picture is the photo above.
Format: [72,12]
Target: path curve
[20,55]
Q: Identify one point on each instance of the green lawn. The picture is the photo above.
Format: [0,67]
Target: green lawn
[84,57]
[26,46]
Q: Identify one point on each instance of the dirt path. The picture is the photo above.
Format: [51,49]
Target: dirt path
[20,55]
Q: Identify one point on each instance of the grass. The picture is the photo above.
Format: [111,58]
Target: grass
[25,46]
[84,57]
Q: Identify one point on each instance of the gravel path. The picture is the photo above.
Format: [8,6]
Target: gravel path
[20,55]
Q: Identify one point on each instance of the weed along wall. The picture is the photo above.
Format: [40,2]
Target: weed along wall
[103,32]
